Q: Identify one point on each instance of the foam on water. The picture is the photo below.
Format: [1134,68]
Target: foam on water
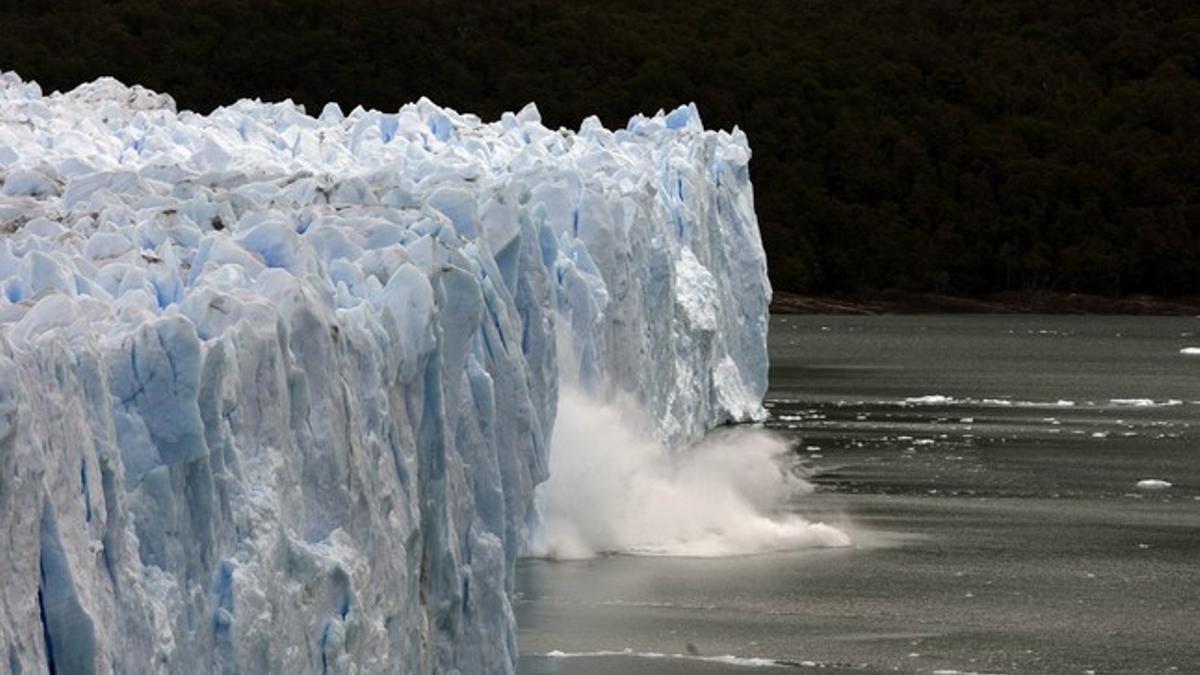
[724,659]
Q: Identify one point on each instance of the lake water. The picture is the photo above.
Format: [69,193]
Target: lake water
[986,468]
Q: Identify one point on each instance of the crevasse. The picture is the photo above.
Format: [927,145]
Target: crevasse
[276,390]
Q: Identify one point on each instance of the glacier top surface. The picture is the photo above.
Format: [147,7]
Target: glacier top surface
[111,195]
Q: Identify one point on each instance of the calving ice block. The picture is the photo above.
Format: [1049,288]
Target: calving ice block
[276,390]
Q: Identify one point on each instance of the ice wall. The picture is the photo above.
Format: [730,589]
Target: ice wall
[275,390]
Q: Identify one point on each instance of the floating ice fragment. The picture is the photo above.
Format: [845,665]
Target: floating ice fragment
[1153,484]
[932,399]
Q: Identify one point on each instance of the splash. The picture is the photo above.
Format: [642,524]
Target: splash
[614,490]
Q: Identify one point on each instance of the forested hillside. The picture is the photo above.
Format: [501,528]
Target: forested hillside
[948,146]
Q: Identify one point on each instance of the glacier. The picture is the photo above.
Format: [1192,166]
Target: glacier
[276,390]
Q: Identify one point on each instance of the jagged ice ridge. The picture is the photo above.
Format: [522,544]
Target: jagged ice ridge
[276,391]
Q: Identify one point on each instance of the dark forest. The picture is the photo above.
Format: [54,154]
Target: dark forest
[941,146]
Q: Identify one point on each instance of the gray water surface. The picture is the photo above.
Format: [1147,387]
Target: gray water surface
[986,467]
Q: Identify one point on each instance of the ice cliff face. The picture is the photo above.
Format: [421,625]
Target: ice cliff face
[275,390]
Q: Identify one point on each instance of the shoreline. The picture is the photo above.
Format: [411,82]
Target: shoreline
[1009,302]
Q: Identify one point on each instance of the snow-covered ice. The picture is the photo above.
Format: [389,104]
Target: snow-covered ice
[276,390]
[1190,351]
[1153,484]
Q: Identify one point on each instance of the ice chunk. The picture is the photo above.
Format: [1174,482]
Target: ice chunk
[107,245]
[1153,484]
[33,183]
[932,399]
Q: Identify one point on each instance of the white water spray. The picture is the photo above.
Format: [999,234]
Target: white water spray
[612,489]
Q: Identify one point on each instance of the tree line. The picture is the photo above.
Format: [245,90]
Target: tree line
[954,146]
